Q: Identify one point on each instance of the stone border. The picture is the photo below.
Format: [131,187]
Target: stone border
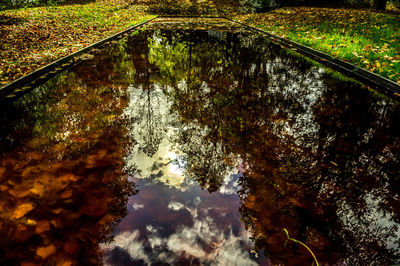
[385,85]
[22,85]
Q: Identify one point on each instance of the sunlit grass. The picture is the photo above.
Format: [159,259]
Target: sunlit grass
[365,38]
[37,36]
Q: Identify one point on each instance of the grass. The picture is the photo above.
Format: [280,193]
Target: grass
[33,37]
[301,243]
[365,38]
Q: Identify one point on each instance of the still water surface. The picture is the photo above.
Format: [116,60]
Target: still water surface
[197,142]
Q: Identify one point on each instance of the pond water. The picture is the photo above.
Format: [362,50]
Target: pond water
[197,142]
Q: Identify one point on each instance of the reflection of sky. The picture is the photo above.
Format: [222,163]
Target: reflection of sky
[172,220]
[169,225]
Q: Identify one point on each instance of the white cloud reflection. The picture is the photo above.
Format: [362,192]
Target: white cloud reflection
[137,206]
[176,206]
[208,241]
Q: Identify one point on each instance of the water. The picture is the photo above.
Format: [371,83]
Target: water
[198,142]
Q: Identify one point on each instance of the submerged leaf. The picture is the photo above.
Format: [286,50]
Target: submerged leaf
[42,226]
[22,210]
[38,189]
[19,191]
[45,252]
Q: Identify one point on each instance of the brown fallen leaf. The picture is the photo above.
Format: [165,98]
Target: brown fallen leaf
[56,223]
[71,247]
[26,263]
[57,211]
[42,226]
[64,263]
[38,189]
[19,191]
[34,155]
[45,252]
[66,194]
[2,171]
[22,210]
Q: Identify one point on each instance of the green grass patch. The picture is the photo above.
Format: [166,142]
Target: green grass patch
[365,38]
[33,37]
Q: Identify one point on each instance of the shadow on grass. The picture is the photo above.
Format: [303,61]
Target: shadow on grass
[9,20]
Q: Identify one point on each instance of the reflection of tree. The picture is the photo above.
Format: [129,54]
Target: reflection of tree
[206,162]
[315,150]
[146,113]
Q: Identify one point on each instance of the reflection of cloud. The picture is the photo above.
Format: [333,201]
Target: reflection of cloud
[206,240]
[137,206]
[127,241]
[230,185]
[232,254]
[176,206]
[209,243]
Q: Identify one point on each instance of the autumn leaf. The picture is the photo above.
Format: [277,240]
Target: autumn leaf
[19,191]
[71,247]
[22,210]
[38,189]
[66,194]
[2,171]
[45,252]
[42,226]
[26,263]
[31,222]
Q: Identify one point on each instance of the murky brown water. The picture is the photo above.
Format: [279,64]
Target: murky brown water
[199,143]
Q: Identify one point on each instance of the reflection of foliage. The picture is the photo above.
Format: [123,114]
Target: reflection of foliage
[170,58]
[308,142]
[206,162]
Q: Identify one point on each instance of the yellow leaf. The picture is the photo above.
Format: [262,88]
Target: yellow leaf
[22,210]
[31,222]
[45,252]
